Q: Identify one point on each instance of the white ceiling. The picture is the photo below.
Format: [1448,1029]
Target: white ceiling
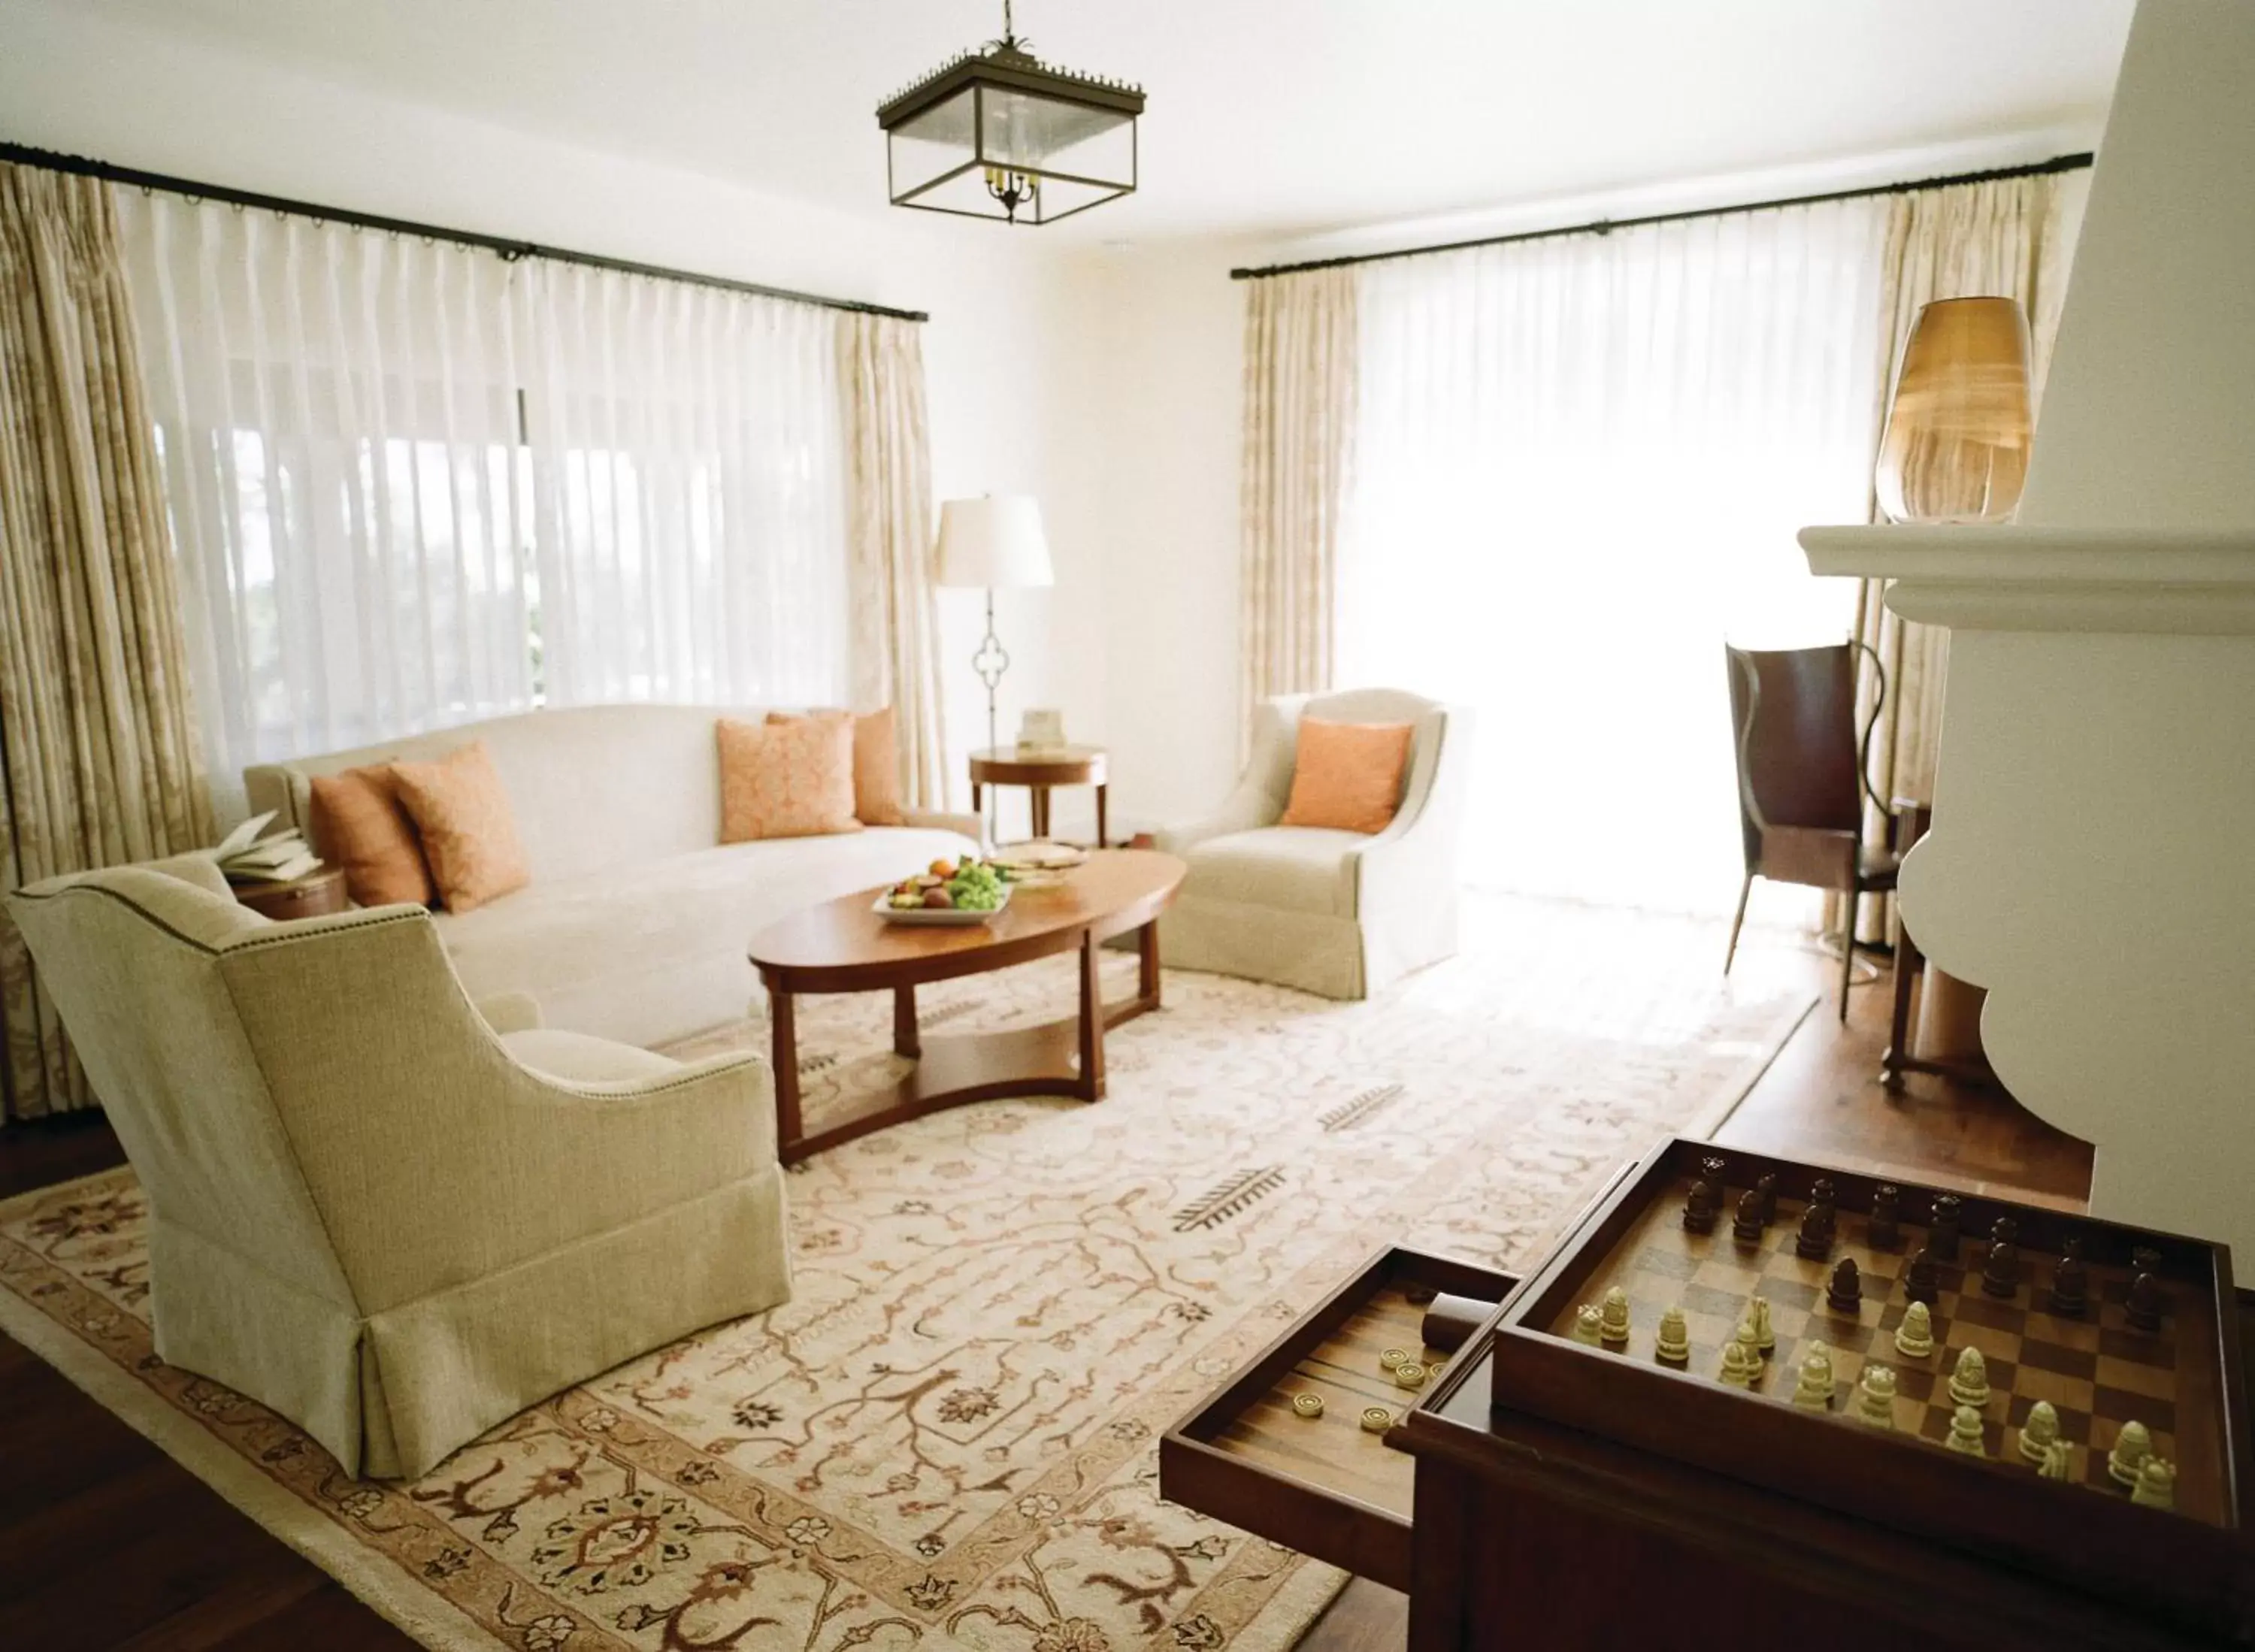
[1267,117]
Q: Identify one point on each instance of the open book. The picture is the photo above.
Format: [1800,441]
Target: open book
[247,858]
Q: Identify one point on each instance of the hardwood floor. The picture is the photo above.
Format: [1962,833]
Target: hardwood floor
[180,1570]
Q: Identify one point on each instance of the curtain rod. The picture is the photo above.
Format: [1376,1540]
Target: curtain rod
[1607,226]
[510,251]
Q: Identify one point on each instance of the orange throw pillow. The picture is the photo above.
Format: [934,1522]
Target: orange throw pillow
[360,824]
[877,765]
[1348,776]
[469,831]
[793,778]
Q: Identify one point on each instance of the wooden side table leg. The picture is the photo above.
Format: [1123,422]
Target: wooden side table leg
[975,791]
[905,1042]
[1103,834]
[1092,1017]
[1041,810]
[782,1056]
[1147,965]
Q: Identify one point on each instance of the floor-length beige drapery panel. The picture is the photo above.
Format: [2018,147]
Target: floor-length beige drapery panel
[1301,341]
[2009,238]
[100,760]
[888,468]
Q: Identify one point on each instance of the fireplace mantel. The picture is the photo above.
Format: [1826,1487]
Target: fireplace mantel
[2092,860]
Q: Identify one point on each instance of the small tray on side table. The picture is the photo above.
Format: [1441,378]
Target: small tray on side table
[1322,1485]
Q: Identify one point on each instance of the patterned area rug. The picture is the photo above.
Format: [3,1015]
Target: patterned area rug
[948,1438]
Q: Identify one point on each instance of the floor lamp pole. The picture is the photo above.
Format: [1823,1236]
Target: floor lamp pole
[990,662]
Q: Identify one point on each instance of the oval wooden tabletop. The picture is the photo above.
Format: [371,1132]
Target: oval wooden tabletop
[843,946]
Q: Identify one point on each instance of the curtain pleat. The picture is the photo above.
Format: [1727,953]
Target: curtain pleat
[100,759]
[889,463]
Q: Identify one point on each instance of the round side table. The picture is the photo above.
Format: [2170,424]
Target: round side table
[316,895]
[1065,766]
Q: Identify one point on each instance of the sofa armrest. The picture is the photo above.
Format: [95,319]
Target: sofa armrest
[1262,792]
[964,825]
[510,1012]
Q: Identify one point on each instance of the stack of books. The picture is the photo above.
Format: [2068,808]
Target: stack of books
[247,858]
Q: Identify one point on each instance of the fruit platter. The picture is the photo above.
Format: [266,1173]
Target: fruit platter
[947,894]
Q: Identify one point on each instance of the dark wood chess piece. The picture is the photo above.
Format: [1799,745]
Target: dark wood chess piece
[1815,1243]
[1921,1284]
[2143,1259]
[1884,1231]
[1942,1236]
[2144,1306]
[2000,1269]
[2070,1283]
[1845,1293]
[1747,1226]
[1766,1190]
[1699,1208]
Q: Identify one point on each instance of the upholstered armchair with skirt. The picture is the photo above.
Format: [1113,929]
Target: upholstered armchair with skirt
[1343,914]
[391,1218]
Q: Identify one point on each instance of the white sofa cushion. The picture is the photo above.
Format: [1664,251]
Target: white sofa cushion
[1298,869]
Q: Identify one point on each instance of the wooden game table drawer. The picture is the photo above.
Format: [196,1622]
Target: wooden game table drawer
[1323,1486]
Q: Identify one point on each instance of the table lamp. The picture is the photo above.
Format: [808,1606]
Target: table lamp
[994,541]
[1959,429]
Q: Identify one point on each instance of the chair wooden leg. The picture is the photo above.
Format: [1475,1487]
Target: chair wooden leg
[1848,948]
[1737,918]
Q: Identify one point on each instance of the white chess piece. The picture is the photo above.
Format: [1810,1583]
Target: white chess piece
[1585,1325]
[1749,1339]
[1914,1336]
[1674,1341]
[1765,1338]
[1965,1432]
[2056,1459]
[2131,1447]
[1875,1396]
[2038,1432]
[1813,1392]
[1612,1318]
[2157,1485]
[1739,1365]
[1969,1384]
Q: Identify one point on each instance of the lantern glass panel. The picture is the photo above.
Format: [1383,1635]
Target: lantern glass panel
[932,142]
[1026,131]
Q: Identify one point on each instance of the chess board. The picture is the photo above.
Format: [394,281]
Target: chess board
[2097,1371]
[2183,1381]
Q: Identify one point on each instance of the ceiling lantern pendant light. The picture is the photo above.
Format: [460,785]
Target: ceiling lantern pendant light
[997,133]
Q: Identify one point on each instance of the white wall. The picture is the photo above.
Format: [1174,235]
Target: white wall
[139,97]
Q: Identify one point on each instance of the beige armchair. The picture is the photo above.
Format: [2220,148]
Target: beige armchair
[390,1218]
[1337,913]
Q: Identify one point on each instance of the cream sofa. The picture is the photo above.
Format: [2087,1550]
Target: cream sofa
[391,1219]
[1339,913]
[636,920]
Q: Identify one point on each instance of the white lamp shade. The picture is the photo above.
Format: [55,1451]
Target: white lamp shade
[995,542]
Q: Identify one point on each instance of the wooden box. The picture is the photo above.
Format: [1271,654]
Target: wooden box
[2188,1564]
[1323,1486]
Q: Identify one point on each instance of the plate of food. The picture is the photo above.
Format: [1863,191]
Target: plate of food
[1039,862]
[947,894]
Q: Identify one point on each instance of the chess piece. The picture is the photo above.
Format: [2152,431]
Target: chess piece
[1674,1346]
[1942,1235]
[1739,1365]
[1969,1383]
[1815,1243]
[2000,1267]
[1845,1293]
[2157,1485]
[1765,1335]
[1699,1208]
[2057,1458]
[1766,1190]
[2070,1283]
[1812,1390]
[1885,1231]
[2131,1447]
[1747,1226]
[1750,1339]
[1875,1396]
[2038,1432]
[1585,1328]
[1921,1284]
[2143,1259]
[1965,1432]
[1914,1336]
[1612,1316]
[2143,1305]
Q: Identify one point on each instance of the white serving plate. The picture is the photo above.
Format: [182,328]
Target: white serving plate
[937,917]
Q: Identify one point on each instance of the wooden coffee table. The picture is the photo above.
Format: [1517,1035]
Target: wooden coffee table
[844,947]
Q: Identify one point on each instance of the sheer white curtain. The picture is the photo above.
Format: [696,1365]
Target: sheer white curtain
[688,469]
[336,413]
[1580,464]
